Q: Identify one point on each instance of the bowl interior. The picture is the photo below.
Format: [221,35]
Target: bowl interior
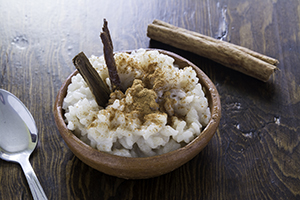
[138,168]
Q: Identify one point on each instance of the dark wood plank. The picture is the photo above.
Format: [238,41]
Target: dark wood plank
[255,154]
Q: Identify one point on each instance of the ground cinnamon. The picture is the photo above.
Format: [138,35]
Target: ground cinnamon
[233,56]
[144,100]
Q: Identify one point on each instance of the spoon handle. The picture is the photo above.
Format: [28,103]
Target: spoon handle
[33,182]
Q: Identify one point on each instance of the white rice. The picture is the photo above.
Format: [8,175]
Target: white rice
[177,111]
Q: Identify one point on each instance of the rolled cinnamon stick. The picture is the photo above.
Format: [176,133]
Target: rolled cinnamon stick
[109,57]
[233,56]
[97,86]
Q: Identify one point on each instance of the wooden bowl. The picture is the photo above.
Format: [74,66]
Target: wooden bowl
[141,168]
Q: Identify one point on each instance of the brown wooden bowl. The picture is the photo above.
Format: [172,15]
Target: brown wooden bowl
[140,168]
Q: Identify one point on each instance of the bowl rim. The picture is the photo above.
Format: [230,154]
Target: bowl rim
[111,161]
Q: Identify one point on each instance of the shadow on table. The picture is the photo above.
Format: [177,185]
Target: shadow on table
[186,182]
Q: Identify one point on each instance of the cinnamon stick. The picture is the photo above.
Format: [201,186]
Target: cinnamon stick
[92,78]
[109,57]
[106,31]
[233,56]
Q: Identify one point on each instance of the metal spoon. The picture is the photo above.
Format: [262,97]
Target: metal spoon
[18,138]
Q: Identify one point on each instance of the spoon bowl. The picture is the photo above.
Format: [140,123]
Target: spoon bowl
[19,137]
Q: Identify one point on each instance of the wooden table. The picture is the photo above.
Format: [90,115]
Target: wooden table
[256,150]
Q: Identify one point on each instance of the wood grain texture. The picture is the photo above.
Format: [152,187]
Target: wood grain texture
[255,154]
